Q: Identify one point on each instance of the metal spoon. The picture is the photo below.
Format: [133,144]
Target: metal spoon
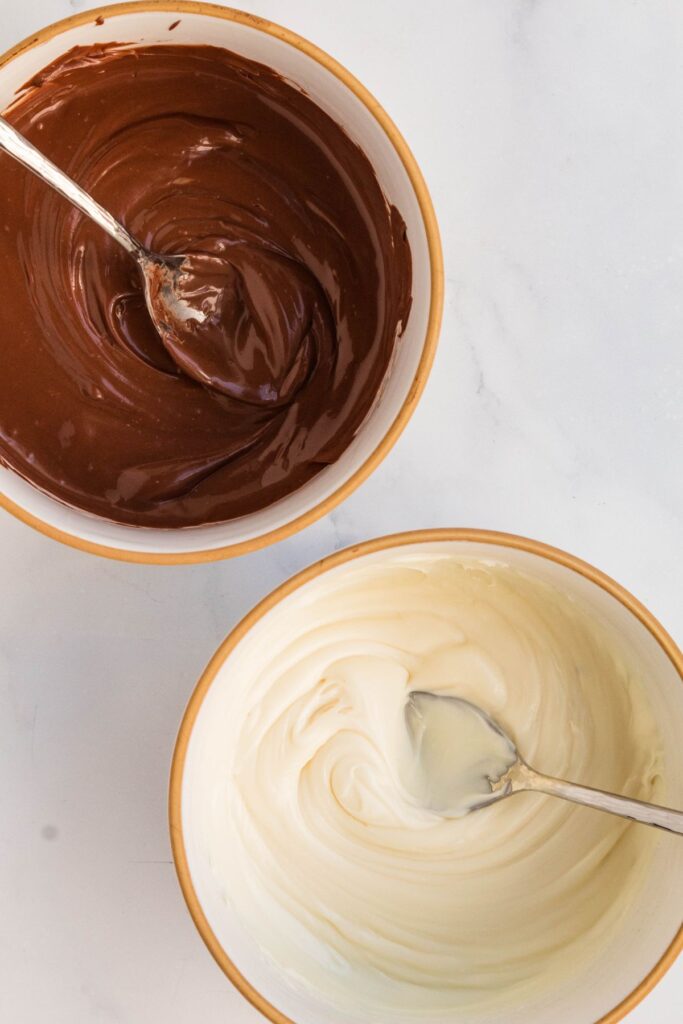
[162,276]
[425,714]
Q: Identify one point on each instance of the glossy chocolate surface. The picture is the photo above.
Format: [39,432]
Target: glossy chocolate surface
[307,269]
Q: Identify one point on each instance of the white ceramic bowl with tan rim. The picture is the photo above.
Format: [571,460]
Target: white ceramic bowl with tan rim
[649,937]
[336,91]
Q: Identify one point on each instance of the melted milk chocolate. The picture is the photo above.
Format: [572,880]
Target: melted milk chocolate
[195,150]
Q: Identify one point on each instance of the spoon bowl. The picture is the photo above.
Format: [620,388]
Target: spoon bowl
[462,755]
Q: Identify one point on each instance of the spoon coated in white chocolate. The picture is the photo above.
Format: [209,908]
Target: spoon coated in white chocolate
[465,761]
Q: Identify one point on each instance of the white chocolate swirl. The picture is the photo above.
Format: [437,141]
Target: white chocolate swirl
[355,892]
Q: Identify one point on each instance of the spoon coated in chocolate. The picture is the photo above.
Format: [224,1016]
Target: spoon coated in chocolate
[212,313]
[185,294]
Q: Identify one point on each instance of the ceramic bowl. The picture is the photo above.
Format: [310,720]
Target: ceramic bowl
[352,106]
[649,936]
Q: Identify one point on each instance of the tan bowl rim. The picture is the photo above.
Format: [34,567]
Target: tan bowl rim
[503,540]
[435,302]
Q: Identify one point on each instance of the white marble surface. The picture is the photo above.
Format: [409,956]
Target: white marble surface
[550,133]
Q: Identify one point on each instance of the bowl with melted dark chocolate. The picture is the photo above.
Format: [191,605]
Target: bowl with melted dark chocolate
[312,239]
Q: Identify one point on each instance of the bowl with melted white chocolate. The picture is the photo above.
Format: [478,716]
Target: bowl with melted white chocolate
[313,245]
[327,890]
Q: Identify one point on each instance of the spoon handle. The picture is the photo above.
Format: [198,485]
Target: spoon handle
[14,143]
[637,810]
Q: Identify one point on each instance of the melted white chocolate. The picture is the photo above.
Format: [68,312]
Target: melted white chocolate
[380,906]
